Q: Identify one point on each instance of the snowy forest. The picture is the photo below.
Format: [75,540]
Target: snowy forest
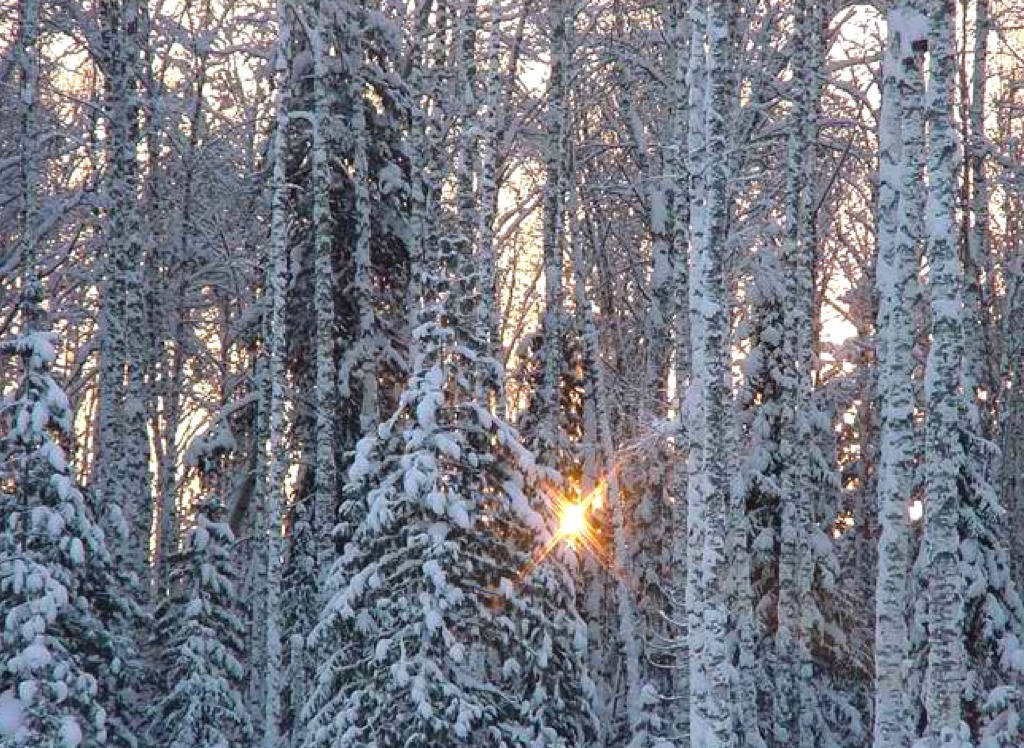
[511,373]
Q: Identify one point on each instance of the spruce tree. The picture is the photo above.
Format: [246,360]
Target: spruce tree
[47,543]
[444,644]
[449,635]
[300,607]
[200,633]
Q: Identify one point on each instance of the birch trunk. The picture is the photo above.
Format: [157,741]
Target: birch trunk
[680,225]
[1012,377]
[274,449]
[899,180]
[467,298]
[696,159]
[977,353]
[945,678]
[30,161]
[122,447]
[711,371]
[794,699]
[554,217]
[487,202]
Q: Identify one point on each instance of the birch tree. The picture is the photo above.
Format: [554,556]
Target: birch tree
[552,322]
[123,451]
[900,192]
[268,662]
[696,134]
[796,709]
[943,452]
[325,469]
[682,38]
[714,722]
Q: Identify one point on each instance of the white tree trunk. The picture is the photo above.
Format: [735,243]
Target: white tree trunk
[945,678]
[274,449]
[487,201]
[715,727]
[977,353]
[30,162]
[899,191]
[678,171]
[122,446]
[696,159]
[552,320]
[794,697]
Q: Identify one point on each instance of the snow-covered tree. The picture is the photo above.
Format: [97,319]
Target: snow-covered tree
[122,462]
[300,603]
[898,246]
[48,540]
[444,644]
[713,715]
[450,635]
[946,676]
[199,634]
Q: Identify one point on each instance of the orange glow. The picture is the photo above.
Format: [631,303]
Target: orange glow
[574,526]
[573,521]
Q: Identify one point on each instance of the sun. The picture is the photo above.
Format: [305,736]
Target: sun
[573,521]
[571,509]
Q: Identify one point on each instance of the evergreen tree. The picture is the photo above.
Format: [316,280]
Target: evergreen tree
[300,607]
[200,633]
[444,644]
[47,543]
[452,637]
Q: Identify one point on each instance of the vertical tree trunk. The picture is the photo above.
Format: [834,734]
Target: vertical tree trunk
[274,449]
[794,698]
[367,344]
[977,353]
[711,371]
[468,297]
[325,392]
[28,147]
[1012,377]
[487,202]
[696,159]
[552,320]
[167,511]
[945,678]
[677,167]
[122,446]
[900,194]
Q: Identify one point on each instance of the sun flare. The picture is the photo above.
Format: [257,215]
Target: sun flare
[574,528]
[573,521]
